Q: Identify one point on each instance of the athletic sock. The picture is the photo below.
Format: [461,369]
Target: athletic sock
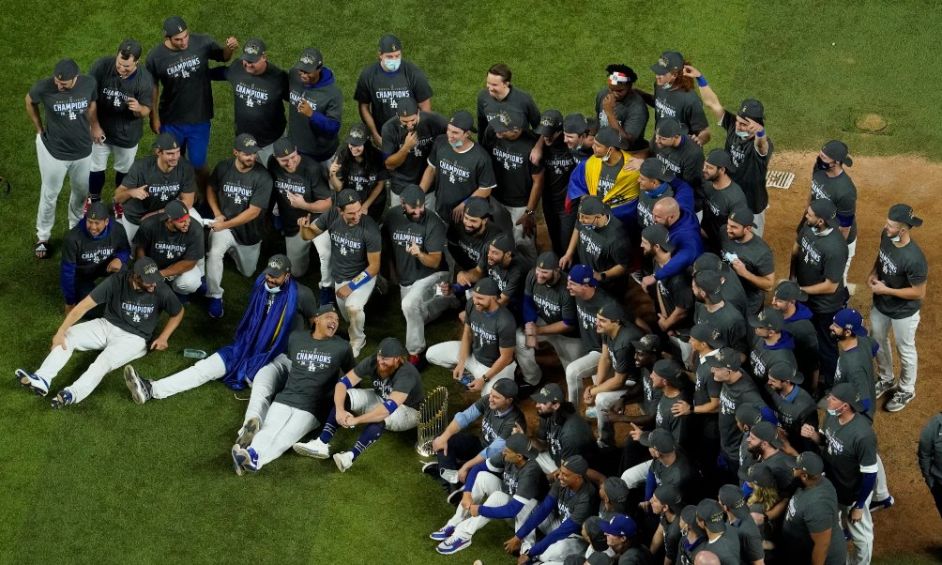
[118,177]
[330,428]
[369,436]
[96,182]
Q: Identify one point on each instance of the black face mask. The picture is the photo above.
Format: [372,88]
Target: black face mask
[820,165]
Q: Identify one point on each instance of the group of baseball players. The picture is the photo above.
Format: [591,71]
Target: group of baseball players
[708,445]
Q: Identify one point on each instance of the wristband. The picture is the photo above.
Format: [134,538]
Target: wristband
[701,81]
[391,405]
[346,382]
[360,280]
[760,134]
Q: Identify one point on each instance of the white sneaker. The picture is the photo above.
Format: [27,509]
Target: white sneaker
[343,460]
[33,382]
[316,449]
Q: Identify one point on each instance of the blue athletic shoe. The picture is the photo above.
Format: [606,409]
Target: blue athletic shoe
[32,381]
[442,534]
[201,291]
[215,308]
[64,398]
[884,504]
[453,544]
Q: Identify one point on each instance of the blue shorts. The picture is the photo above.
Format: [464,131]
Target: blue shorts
[193,140]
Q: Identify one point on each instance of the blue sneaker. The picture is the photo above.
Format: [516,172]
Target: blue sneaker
[64,398]
[32,381]
[442,534]
[884,504]
[215,308]
[201,291]
[453,544]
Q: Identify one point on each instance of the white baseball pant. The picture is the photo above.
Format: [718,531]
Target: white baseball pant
[487,488]
[187,282]
[567,348]
[268,381]
[904,336]
[123,157]
[420,305]
[52,173]
[636,476]
[402,419]
[282,427]
[861,533]
[351,308]
[445,354]
[578,370]
[557,553]
[222,243]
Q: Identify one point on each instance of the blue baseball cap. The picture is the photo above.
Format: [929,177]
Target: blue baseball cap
[619,525]
[850,319]
[582,274]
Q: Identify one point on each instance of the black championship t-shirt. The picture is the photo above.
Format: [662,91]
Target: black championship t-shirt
[66,132]
[458,174]
[717,205]
[316,366]
[676,292]
[682,105]
[621,353]
[186,94]
[587,313]
[558,164]
[490,331]
[430,126]
[553,301]
[468,249]
[91,255]
[842,192]
[632,115]
[259,101]
[756,255]
[751,168]
[732,396]
[133,311]
[167,247]
[306,181]
[820,258]
[349,245]
[686,161]
[406,380]
[847,448]
[122,128]
[383,90]
[512,167]
[236,191]
[522,483]
[575,505]
[325,98]
[728,320]
[899,267]
[516,101]
[428,233]
[498,424]
[812,510]
[161,187]
[603,247]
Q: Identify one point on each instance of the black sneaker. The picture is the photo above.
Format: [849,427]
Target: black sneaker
[454,497]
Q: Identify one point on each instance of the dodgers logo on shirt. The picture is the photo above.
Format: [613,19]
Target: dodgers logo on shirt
[137,312]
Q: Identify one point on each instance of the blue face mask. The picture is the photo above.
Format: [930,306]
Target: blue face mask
[834,413]
[661,189]
[271,290]
[456,144]
[392,65]
[742,134]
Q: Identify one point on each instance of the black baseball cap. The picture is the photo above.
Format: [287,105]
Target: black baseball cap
[845,392]
[748,413]
[752,109]
[826,210]
[245,143]
[768,318]
[462,120]
[710,282]
[656,234]
[406,107]
[146,268]
[838,151]
[789,290]
[653,168]
[97,210]
[731,496]
[765,431]
[66,69]
[506,388]
[253,50]
[712,515]
[487,287]
[660,439]
[131,48]
[649,343]
[278,265]
[725,358]
[708,262]
[547,260]
[668,61]
[608,137]
[708,334]
[669,127]
[506,120]
[613,311]
[503,243]
[592,205]
[477,207]
[550,392]
[346,197]
[576,463]
[903,213]
[176,210]
[551,122]
[668,494]
[575,124]
[413,195]
[669,370]
[174,25]
[743,216]
[284,147]
[310,60]
[519,444]
[809,462]
[357,135]
[389,43]
[390,347]
[721,158]
[325,309]
[165,142]
[783,370]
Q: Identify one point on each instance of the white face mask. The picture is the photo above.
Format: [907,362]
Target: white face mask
[271,290]
[742,134]
[896,238]
[834,413]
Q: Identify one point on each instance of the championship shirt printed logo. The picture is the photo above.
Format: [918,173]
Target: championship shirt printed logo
[71,108]
[137,312]
[288,186]
[510,482]
[481,335]
[549,308]
[115,97]
[237,193]
[390,95]
[586,319]
[588,244]
[811,255]
[383,388]
[664,110]
[250,94]
[790,513]
[738,152]
[407,237]
[561,165]
[473,253]
[169,250]
[96,256]
[313,360]
[183,68]
[508,160]
[163,192]
[297,96]
[835,446]
[668,164]
[456,173]
[487,431]
[758,365]
[727,404]
[345,245]
[818,192]
[887,266]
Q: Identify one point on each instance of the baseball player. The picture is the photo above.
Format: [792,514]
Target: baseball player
[260,338]
[508,270]
[237,193]
[930,457]
[468,242]
[558,163]
[898,283]
[407,140]
[316,107]
[789,299]
[684,233]
[657,181]
[384,85]
[855,357]
[259,90]
[765,446]
[607,175]
[133,301]
[793,406]
[721,195]
[770,343]
[812,532]
[180,68]
[125,93]
[722,539]
[176,245]
[737,389]
[747,143]
[693,539]
[599,241]
[582,286]
[668,377]
[63,143]
[680,155]
[300,189]
[562,432]
[579,135]
[355,247]
[458,169]
[417,236]
[731,289]
[674,295]
[504,486]
[392,403]
[831,182]
[318,360]
[499,94]
[618,106]
[749,256]
[740,519]
[486,348]
[711,308]
[359,166]
[673,97]
[666,503]
[95,247]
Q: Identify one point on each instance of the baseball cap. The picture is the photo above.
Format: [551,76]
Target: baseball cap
[653,168]
[660,439]
[406,107]
[619,525]
[613,311]
[519,444]
[582,274]
[748,414]
[413,195]
[616,489]
[310,60]
[487,287]
[809,462]
[765,431]
[782,370]
[789,290]
[506,388]
[903,213]
[668,494]
[165,142]
[357,135]
[845,392]
[708,334]
[712,515]
[131,47]
[721,158]
[708,262]
[768,318]
[97,211]
[390,347]
[575,463]
[608,137]
[548,393]
[710,282]
[761,475]
[649,343]
[689,516]
[245,143]
[66,69]
[752,109]
[176,210]
[668,127]
[389,43]
[146,268]
[547,260]
[325,309]
[462,120]
[838,151]
[656,234]
[253,50]
[850,319]
[591,205]
[346,197]
[551,122]
[743,216]
[174,25]
[731,496]
[668,61]
[725,358]
[503,243]
[669,370]
[278,265]
[826,210]
[476,207]
[506,120]
[575,124]
[284,147]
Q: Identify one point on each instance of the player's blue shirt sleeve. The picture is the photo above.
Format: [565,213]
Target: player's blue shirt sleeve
[529,309]
[536,517]
[67,282]
[566,529]
[509,510]
[494,448]
[683,193]
[467,416]
[650,483]
[473,474]
[324,124]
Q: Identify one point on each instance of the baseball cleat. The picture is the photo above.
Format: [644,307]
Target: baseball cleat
[240,458]
[882,387]
[316,449]
[454,497]
[343,460]
[899,401]
[884,504]
[215,308]
[139,388]
[33,382]
[442,534]
[64,398]
[431,468]
[248,431]
[453,544]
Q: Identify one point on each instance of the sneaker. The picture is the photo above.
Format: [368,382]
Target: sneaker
[64,398]
[882,387]
[118,211]
[442,534]
[215,308]
[240,458]
[431,468]
[884,504]
[455,496]
[33,382]
[453,544]
[343,460]
[316,449]
[201,291]
[88,203]
[140,388]
[248,431]
[899,401]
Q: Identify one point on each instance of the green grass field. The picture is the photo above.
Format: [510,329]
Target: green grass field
[108,481]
